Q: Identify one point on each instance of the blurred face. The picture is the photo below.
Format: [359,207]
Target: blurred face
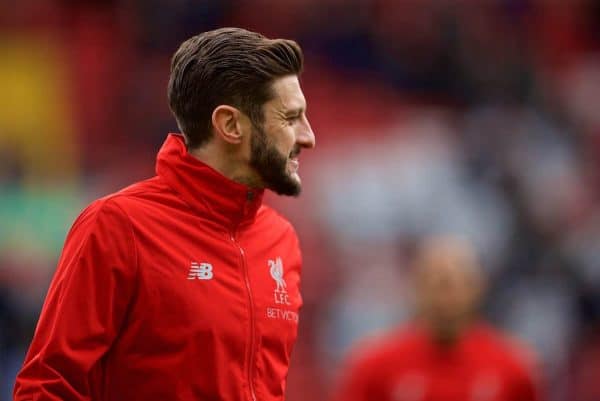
[448,287]
[277,143]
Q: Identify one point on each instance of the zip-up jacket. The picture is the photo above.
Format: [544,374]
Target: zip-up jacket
[180,287]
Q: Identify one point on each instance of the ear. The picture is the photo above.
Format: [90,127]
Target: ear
[226,123]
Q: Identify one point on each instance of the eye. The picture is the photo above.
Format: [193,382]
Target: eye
[293,119]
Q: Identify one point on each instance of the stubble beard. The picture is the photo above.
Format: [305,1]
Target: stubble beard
[271,165]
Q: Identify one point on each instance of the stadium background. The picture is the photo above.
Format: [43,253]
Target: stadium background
[474,117]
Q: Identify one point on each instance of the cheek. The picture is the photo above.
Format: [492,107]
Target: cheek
[284,139]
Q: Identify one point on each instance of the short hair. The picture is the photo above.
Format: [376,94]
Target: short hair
[226,66]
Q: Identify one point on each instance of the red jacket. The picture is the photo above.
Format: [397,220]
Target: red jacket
[180,287]
[409,366]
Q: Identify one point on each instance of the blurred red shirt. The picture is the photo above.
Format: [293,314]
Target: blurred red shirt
[483,365]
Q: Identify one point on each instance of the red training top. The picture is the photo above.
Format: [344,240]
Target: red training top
[410,366]
[180,287]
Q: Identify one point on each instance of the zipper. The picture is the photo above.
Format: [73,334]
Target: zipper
[250,356]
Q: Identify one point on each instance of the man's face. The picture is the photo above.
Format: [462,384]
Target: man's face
[448,286]
[276,144]
[446,292]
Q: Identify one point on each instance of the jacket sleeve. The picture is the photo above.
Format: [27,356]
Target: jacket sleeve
[85,306]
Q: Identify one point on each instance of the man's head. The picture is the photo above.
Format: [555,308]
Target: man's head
[449,283]
[241,90]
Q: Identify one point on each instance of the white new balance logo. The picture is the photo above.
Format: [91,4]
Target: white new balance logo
[200,271]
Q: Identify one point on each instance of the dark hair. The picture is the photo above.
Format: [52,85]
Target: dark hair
[226,66]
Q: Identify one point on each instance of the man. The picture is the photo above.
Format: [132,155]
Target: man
[184,286]
[447,354]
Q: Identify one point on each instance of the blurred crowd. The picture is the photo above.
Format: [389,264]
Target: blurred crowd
[477,118]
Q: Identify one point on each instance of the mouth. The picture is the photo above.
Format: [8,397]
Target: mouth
[293,161]
[294,164]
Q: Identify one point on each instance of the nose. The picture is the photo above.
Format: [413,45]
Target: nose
[305,136]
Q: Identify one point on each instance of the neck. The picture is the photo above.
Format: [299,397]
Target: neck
[449,332]
[226,162]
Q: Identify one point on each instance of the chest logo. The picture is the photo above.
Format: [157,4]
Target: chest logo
[280,294]
[200,271]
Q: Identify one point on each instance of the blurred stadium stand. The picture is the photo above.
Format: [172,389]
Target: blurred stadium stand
[474,117]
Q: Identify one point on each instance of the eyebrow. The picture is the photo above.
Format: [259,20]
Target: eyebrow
[295,111]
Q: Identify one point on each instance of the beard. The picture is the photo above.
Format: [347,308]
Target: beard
[271,165]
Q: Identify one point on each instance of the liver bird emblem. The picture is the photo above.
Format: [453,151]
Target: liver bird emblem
[276,268]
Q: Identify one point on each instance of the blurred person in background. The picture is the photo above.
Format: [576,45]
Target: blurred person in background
[448,353]
[184,286]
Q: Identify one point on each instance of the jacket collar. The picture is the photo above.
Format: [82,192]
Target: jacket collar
[203,188]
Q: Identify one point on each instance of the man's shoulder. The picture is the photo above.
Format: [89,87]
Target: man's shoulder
[101,219]
[148,189]
[143,196]
[134,199]
[513,351]
[275,219]
[496,338]
[382,347]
